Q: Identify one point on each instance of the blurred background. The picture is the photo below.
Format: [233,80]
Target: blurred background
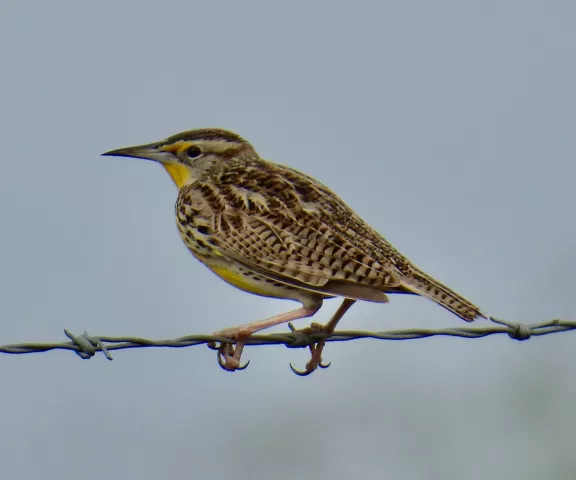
[448,126]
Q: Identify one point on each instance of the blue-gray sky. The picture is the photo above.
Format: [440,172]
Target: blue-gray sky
[449,126]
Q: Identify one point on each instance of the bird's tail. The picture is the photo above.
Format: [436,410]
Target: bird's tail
[422,284]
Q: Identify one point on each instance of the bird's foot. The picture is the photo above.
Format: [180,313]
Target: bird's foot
[229,354]
[315,350]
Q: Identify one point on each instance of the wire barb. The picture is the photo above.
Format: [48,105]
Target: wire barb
[87,345]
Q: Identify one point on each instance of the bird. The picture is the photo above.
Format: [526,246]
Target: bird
[274,231]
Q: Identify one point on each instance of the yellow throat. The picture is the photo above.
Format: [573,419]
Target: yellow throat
[178,173]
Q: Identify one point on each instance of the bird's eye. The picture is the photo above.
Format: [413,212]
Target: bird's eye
[194,151]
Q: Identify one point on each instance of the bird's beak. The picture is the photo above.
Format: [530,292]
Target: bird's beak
[158,152]
[147,152]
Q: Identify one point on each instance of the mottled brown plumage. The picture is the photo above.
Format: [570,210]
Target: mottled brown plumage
[274,231]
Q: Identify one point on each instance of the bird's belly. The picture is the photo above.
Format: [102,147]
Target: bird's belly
[236,274]
[241,277]
[254,283]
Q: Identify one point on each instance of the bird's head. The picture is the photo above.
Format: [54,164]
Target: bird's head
[187,155]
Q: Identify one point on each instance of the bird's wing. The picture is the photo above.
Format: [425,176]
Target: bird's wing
[290,228]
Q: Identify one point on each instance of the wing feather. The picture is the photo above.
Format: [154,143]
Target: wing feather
[293,229]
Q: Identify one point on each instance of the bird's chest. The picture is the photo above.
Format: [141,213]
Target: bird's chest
[194,227]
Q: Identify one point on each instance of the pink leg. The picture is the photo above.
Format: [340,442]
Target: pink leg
[229,356]
[316,349]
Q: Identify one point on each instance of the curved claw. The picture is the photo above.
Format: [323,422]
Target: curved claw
[243,367]
[224,352]
[324,365]
[222,360]
[303,373]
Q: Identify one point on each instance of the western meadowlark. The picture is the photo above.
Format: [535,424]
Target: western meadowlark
[273,231]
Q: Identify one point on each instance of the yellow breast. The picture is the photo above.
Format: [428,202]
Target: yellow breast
[255,284]
[239,280]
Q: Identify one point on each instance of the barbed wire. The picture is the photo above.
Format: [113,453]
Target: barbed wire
[86,345]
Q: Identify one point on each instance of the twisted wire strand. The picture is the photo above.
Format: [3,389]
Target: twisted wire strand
[86,345]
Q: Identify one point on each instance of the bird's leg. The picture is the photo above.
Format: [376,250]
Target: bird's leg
[229,355]
[316,349]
